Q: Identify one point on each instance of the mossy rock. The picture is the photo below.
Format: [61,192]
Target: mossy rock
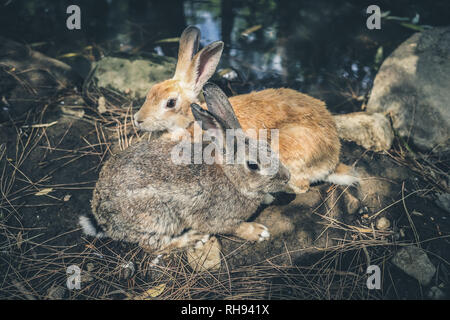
[133,77]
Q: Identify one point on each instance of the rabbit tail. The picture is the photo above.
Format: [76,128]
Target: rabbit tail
[343,175]
[89,227]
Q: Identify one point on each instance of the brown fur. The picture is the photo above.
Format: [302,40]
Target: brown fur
[308,141]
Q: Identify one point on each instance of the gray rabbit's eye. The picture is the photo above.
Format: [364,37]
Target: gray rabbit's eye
[171,103]
[252,166]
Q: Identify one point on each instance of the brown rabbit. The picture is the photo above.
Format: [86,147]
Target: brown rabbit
[309,145]
[145,197]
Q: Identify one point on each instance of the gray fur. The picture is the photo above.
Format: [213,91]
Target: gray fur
[143,197]
[218,104]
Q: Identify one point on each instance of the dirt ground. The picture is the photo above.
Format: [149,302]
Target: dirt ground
[49,163]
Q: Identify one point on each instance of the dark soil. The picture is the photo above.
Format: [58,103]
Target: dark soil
[41,237]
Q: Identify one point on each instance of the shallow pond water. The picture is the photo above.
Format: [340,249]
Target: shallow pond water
[319,47]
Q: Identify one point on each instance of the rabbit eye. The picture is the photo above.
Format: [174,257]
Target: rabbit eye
[171,103]
[252,166]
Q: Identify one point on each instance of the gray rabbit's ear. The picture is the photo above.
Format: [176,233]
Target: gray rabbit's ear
[189,42]
[206,119]
[218,104]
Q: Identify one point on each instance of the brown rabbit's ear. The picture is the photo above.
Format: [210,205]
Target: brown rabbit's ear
[189,42]
[218,104]
[204,65]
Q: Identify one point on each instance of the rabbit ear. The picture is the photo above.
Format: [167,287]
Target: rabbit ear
[207,119]
[204,65]
[218,104]
[189,42]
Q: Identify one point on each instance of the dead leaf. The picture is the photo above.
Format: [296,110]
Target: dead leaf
[73,111]
[248,31]
[224,71]
[151,293]
[69,55]
[101,105]
[417,213]
[362,230]
[168,40]
[41,125]
[19,240]
[38,44]
[44,192]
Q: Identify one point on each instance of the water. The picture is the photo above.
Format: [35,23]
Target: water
[322,48]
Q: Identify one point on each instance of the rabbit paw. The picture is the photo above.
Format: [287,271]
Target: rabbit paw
[147,248]
[187,239]
[299,185]
[253,231]
[205,256]
[200,243]
[268,199]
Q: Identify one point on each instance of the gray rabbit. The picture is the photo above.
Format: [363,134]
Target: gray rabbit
[143,197]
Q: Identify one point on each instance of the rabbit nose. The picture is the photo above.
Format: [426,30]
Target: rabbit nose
[137,121]
[285,173]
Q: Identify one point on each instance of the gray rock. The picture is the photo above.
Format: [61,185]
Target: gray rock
[72,106]
[86,277]
[443,201]
[133,78]
[413,86]
[383,223]
[56,292]
[128,269]
[436,293]
[371,131]
[414,262]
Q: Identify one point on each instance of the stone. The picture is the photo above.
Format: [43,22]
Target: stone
[414,262]
[56,292]
[133,77]
[86,277]
[436,293]
[443,201]
[128,270]
[412,86]
[371,131]
[383,223]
